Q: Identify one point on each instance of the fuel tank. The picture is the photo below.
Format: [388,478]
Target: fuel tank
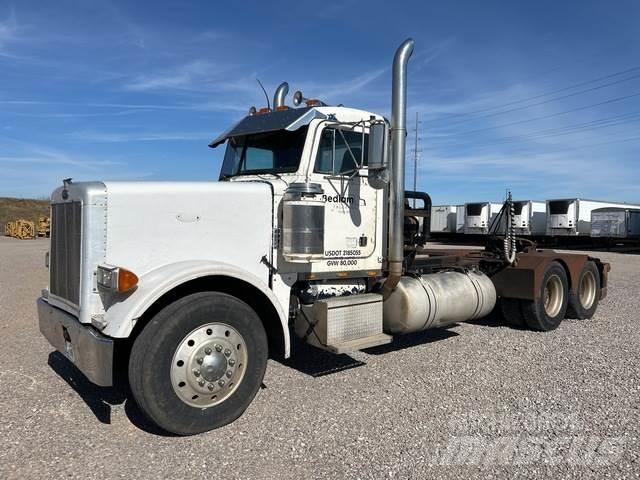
[437,300]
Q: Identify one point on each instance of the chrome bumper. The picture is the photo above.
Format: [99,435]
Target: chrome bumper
[89,350]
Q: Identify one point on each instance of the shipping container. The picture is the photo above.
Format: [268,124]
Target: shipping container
[615,222]
[478,217]
[572,216]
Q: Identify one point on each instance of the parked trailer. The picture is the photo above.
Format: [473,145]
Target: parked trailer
[443,218]
[572,216]
[478,217]
[530,217]
[615,222]
[317,243]
[460,212]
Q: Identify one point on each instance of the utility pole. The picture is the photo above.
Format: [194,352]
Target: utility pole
[416,154]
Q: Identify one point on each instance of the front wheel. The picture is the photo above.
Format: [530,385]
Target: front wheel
[199,363]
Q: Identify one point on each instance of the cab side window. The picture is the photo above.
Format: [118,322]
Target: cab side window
[335,158]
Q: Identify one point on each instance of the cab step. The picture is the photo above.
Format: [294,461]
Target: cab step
[360,343]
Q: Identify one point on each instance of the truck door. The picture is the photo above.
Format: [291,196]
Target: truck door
[351,219]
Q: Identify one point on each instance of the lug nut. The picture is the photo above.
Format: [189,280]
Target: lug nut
[199,360]
[229,373]
[196,372]
[227,352]
[201,382]
[207,351]
[221,383]
[218,348]
[232,362]
[210,387]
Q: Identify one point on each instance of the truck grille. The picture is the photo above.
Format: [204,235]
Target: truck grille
[66,228]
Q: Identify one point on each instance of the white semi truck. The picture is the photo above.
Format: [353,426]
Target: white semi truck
[306,233]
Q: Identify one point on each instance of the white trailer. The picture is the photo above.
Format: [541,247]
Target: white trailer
[459,218]
[615,222]
[478,217]
[195,285]
[572,216]
[443,218]
[530,217]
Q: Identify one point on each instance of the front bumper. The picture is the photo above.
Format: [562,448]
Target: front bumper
[89,350]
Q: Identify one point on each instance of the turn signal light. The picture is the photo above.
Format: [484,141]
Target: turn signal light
[126,280]
[116,278]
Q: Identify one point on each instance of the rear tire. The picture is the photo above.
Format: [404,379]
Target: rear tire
[198,363]
[547,311]
[584,302]
[512,312]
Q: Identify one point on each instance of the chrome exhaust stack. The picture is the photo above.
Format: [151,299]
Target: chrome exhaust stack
[396,191]
[281,93]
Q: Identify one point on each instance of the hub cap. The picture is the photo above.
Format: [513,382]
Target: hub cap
[208,365]
[587,291]
[553,296]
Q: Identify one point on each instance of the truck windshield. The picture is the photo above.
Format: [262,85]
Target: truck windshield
[270,152]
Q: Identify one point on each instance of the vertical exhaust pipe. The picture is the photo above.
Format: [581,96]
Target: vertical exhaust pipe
[395,256]
[281,92]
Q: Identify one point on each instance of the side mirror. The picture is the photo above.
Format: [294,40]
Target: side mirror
[378,155]
[378,148]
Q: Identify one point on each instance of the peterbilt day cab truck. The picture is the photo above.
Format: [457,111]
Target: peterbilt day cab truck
[307,232]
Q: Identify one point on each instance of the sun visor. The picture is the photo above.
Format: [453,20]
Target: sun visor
[291,119]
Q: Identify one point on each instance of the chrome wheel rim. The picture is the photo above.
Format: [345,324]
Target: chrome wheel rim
[208,365]
[553,296]
[587,292]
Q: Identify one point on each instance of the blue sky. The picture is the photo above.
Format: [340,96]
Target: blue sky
[541,97]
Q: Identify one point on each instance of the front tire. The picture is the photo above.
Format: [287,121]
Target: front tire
[547,311]
[198,363]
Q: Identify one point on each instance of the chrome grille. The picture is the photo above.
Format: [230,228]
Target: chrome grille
[66,228]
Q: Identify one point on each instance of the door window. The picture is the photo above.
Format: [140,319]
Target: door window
[341,151]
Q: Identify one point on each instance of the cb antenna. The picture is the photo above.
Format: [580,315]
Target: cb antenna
[265,92]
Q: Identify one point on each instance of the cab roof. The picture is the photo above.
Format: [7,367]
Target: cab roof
[290,119]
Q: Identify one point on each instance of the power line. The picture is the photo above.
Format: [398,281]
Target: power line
[559,131]
[544,117]
[573,94]
[553,92]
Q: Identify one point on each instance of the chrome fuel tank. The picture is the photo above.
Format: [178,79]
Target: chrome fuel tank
[437,300]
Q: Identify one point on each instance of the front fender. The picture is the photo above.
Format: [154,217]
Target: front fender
[121,316]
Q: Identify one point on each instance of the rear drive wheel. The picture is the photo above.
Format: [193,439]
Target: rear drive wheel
[199,363]
[512,312]
[547,311]
[584,302]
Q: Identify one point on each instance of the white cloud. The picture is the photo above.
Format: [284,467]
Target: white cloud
[9,34]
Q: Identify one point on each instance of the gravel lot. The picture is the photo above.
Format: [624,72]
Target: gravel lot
[475,400]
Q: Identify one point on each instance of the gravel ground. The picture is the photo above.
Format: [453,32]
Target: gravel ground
[475,400]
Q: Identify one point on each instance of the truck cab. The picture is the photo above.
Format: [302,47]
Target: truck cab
[308,232]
